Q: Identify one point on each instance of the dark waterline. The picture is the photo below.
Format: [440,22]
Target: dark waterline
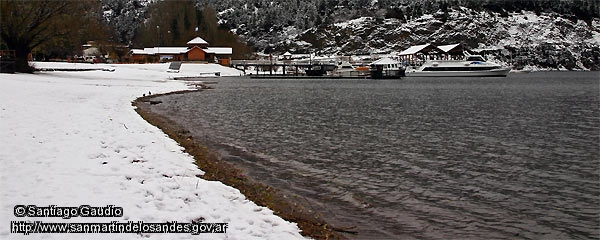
[514,157]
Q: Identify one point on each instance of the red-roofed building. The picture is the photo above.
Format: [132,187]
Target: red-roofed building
[197,50]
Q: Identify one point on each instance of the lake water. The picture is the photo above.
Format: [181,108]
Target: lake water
[418,158]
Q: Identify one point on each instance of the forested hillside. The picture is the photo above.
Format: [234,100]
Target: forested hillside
[124,17]
[544,33]
[549,34]
[174,23]
[260,21]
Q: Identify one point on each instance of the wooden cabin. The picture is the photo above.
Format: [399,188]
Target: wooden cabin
[197,50]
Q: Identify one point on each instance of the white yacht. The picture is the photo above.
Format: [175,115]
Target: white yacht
[472,66]
[386,68]
[345,69]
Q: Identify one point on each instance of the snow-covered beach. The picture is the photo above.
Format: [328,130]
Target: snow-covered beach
[73,138]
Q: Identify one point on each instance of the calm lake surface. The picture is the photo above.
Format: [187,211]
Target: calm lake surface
[418,158]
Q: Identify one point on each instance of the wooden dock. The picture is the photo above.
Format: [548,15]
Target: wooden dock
[288,76]
[270,67]
[310,70]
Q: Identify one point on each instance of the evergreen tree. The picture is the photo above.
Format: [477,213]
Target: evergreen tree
[175,28]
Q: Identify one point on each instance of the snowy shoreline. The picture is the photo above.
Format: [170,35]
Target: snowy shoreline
[73,138]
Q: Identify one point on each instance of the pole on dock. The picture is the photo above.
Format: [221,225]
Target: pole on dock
[271,68]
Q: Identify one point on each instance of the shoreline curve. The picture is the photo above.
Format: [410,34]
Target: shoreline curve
[216,169]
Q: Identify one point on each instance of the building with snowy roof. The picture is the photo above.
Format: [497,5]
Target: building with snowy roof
[415,54]
[454,51]
[197,50]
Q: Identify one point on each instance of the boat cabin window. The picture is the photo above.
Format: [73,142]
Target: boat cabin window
[475,58]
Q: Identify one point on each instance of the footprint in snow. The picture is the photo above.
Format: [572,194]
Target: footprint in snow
[97,156]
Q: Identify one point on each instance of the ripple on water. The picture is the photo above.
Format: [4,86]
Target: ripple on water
[513,157]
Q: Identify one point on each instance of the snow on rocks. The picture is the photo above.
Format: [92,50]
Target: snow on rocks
[73,138]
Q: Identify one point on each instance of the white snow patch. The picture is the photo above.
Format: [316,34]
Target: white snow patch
[354,22]
[73,138]
[226,11]
[303,43]
[108,15]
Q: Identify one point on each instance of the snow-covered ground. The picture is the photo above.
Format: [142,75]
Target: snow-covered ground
[73,138]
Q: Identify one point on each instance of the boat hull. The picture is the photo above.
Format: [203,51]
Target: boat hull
[500,72]
[387,74]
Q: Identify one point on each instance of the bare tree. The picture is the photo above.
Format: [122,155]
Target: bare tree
[26,25]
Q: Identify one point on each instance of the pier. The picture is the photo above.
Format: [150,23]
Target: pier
[270,68]
[317,69]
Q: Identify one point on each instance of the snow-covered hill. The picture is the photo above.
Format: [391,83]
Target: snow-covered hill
[547,40]
[564,34]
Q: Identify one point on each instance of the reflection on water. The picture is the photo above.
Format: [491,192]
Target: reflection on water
[514,157]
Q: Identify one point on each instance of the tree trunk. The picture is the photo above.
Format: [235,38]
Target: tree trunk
[21,61]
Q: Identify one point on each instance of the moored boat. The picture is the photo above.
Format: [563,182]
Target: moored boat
[472,66]
[386,68]
[345,69]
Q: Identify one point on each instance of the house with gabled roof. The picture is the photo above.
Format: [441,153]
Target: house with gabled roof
[428,51]
[197,50]
[413,53]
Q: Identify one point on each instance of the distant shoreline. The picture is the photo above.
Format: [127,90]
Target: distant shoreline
[311,224]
